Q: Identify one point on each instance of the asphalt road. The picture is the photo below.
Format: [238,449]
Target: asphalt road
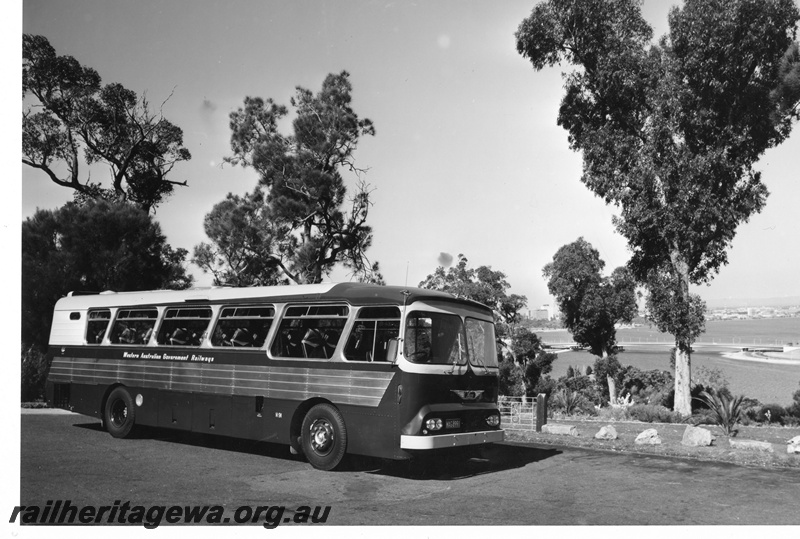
[69,457]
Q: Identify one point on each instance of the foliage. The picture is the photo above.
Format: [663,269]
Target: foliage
[583,385]
[236,228]
[510,379]
[534,370]
[612,414]
[680,315]
[670,133]
[771,413]
[590,304]
[794,408]
[34,374]
[93,247]
[75,117]
[726,411]
[303,227]
[484,285]
[605,367]
[653,413]
[646,387]
[544,384]
[569,402]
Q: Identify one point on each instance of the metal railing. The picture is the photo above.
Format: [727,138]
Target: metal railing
[523,413]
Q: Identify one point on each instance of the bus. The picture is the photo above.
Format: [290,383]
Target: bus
[329,369]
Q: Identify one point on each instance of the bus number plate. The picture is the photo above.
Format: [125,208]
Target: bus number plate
[453,423]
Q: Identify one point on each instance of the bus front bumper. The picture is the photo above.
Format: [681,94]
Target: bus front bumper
[440,441]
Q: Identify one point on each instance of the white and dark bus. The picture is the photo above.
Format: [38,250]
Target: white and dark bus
[328,369]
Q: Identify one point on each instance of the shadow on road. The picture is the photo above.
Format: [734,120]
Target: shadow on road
[211,441]
[442,466]
[461,464]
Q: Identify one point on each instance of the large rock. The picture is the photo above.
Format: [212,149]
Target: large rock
[751,445]
[648,437]
[567,430]
[696,437]
[606,433]
[794,446]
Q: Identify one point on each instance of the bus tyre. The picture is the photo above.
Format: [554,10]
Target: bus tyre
[324,437]
[119,414]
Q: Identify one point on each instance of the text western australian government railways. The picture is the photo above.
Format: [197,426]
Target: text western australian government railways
[60,512]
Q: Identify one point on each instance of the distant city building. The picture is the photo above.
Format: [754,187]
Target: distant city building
[540,314]
[545,312]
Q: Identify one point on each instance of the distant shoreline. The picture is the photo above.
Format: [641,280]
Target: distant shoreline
[789,359]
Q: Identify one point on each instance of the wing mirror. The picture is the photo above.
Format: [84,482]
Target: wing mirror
[391,350]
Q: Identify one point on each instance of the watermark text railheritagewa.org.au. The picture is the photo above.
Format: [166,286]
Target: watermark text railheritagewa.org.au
[64,512]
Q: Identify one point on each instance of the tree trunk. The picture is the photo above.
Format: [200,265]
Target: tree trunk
[612,390]
[683,380]
[683,367]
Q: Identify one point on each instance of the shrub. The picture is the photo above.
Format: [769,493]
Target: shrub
[771,413]
[569,402]
[647,387]
[583,385]
[653,413]
[34,374]
[545,384]
[510,379]
[790,421]
[703,416]
[725,411]
[613,414]
[698,403]
[794,409]
[535,371]
[576,383]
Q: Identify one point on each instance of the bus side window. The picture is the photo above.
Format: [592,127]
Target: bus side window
[373,329]
[311,332]
[133,326]
[243,326]
[97,325]
[184,326]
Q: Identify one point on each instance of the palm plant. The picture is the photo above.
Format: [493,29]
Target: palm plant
[569,401]
[727,411]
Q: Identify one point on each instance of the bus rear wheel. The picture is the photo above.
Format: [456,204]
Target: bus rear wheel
[118,414]
[324,437]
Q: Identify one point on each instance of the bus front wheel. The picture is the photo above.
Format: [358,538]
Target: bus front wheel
[324,437]
[118,414]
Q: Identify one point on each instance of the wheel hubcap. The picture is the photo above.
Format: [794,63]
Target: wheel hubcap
[322,436]
[119,412]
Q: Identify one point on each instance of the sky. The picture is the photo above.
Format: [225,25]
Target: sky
[467,157]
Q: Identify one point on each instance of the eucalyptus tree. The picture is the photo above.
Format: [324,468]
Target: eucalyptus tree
[70,119]
[670,132]
[590,304]
[95,246]
[307,223]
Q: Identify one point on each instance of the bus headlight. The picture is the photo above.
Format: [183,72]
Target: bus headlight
[434,424]
[493,420]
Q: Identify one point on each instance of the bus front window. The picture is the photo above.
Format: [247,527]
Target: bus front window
[481,343]
[434,338]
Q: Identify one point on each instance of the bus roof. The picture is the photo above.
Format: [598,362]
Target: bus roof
[352,293]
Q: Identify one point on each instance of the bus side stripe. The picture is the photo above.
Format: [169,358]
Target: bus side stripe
[365,388]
